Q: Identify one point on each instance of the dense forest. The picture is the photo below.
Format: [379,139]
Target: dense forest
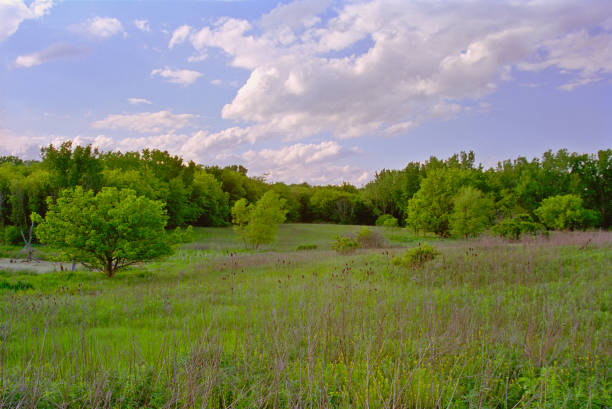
[422,196]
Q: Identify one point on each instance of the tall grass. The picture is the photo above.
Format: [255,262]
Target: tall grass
[486,324]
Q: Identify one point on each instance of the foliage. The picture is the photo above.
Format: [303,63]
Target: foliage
[345,244]
[12,235]
[472,212]
[73,166]
[18,286]
[387,220]
[369,239]
[565,212]
[416,256]
[106,231]
[257,223]
[430,208]
[514,227]
[420,194]
[303,247]
[212,201]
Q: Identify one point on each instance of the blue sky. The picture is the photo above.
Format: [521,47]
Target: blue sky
[321,91]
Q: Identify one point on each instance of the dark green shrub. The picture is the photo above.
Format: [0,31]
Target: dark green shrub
[514,228]
[416,256]
[12,235]
[369,239]
[19,285]
[306,247]
[345,245]
[387,220]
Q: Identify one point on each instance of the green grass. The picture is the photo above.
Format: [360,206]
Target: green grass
[485,324]
[295,234]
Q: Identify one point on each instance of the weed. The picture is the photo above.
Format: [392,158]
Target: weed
[302,247]
[345,245]
[416,256]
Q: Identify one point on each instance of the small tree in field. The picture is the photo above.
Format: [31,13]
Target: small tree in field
[257,223]
[107,231]
[471,212]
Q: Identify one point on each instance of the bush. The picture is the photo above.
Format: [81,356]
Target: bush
[369,239]
[387,220]
[515,227]
[564,212]
[19,285]
[416,256]
[12,235]
[306,247]
[345,245]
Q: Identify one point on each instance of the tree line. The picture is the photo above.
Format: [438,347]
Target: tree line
[438,195]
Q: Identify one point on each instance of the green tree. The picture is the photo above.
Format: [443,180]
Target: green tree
[472,212]
[73,166]
[563,212]
[430,208]
[211,201]
[106,231]
[257,223]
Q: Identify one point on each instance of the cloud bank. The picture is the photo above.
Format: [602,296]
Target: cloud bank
[14,12]
[385,66]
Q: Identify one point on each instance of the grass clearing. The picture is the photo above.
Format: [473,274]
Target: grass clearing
[486,324]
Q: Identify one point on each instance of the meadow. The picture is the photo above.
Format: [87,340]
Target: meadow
[487,324]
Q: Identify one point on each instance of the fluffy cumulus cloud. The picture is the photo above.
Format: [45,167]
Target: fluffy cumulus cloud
[14,12]
[182,77]
[100,27]
[315,163]
[385,66]
[145,122]
[53,52]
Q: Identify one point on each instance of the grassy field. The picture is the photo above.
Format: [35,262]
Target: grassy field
[488,324]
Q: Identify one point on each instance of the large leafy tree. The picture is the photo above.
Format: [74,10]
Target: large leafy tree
[105,231]
[472,212]
[257,223]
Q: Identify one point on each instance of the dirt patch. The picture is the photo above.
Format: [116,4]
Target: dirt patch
[37,266]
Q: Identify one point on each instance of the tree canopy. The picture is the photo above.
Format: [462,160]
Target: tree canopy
[105,231]
[420,196]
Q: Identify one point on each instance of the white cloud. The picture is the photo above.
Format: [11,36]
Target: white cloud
[14,12]
[179,35]
[138,101]
[315,163]
[182,77]
[298,153]
[588,55]
[53,52]
[145,122]
[385,66]
[142,25]
[101,27]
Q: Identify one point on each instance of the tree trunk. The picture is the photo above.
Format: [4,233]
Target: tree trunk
[109,269]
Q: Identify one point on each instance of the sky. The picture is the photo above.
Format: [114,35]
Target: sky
[317,91]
